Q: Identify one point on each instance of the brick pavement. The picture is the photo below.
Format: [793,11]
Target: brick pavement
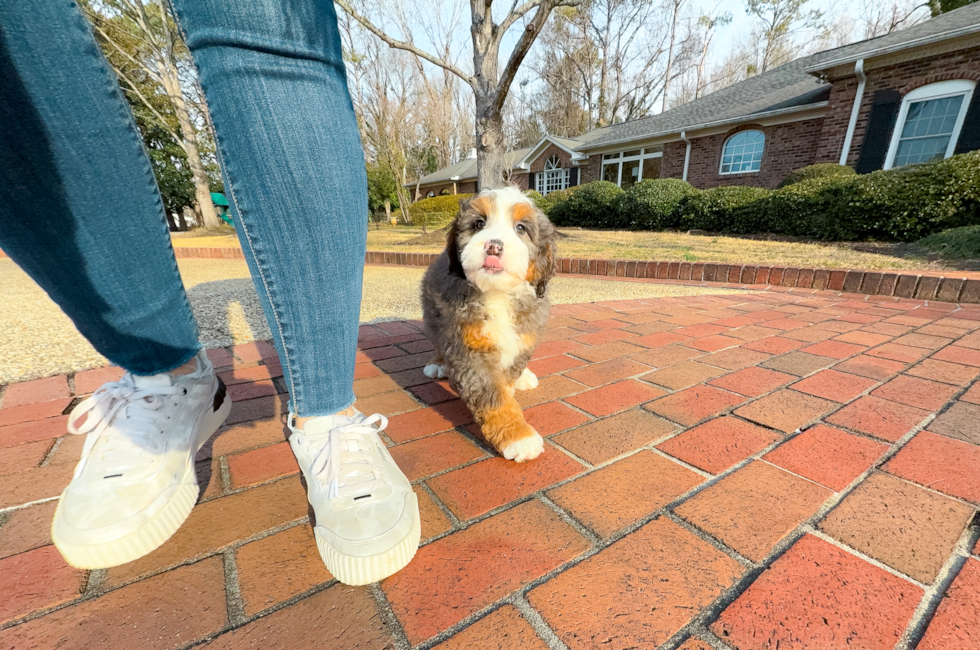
[782,468]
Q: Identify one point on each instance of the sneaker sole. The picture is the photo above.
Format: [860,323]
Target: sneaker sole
[355,570]
[157,530]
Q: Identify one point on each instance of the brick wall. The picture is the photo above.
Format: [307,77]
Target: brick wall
[904,77]
[537,164]
[592,170]
[788,147]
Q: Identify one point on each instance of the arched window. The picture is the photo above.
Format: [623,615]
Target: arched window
[929,123]
[743,152]
[553,177]
[430,194]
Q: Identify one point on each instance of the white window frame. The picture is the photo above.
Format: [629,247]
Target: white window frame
[721,162]
[618,159]
[553,178]
[938,90]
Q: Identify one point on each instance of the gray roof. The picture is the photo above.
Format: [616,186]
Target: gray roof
[790,86]
[465,169]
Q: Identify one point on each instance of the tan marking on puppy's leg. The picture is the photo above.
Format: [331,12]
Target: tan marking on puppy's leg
[506,429]
[475,339]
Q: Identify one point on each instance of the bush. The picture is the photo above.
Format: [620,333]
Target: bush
[588,206]
[953,244]
[911,202]
[542,202]
[803,209]
[820,170]
[434,212]
[722,209]
[651,204]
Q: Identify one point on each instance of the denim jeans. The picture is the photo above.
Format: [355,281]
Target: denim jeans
[80,211]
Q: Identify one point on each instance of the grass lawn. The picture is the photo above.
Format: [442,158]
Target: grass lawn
[661,246]
[669,246]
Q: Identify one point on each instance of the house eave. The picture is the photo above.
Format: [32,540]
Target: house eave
[797,113]
[891,49]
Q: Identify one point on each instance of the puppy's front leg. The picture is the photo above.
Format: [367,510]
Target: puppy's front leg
[503,424]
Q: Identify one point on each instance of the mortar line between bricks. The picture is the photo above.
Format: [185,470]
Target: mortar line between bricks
[570,519]
[704,535]
[700,633]
[537,623]
[453,520]
[570,453]
[51,452]
[234,604]
[926,610]
[388,616]
[816,532]
[21,506]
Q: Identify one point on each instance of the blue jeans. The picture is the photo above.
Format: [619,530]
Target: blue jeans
[80,210]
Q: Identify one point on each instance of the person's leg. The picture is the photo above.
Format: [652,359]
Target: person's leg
[79,206]
[274,78]
[80,212]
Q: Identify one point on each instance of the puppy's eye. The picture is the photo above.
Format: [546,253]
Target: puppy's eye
[520,228]
[479,224]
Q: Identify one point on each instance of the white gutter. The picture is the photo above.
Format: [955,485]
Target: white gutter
[862,78]
[749,117]
[687,154]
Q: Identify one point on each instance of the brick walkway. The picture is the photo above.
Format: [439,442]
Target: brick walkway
[677,503]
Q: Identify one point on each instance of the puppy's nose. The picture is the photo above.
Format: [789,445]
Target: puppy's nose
[495,247]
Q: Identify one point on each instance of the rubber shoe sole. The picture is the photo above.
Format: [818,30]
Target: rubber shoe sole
[157,530]
[355,571]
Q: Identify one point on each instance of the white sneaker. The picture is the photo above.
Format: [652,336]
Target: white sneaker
[135,483]
[367,516]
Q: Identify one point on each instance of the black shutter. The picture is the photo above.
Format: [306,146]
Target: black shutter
[530,181]
[877,137]
[573,175]
[970,134]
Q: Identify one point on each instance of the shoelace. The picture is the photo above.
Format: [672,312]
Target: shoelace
[342,461]
[130,410]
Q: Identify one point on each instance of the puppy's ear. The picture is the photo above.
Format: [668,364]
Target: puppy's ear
[546,263]
[452,247]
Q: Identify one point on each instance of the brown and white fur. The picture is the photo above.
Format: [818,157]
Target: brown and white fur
[484,307]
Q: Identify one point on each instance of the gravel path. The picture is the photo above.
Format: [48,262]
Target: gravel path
[38,340]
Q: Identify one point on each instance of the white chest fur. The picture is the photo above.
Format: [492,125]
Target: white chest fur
[500,326]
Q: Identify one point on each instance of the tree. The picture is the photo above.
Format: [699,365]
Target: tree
[938,7]
[382,189]
[143,45]
[880,19]
[490,83]
[779,20]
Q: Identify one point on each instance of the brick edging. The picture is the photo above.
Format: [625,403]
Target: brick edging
[953,288]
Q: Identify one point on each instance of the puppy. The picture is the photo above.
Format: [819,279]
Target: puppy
[484,306]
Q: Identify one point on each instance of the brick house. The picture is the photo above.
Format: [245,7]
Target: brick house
[898,99]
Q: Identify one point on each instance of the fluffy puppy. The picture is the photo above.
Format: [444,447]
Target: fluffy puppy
[485,306]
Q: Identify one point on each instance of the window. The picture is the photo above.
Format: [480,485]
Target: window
[929,123]
[553,177]
[630,167]
[430,194]
[743,153]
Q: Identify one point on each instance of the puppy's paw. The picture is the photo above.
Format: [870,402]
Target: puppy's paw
[527,448]
[434,371]
[527,381]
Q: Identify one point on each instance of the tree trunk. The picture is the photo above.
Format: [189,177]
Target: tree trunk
[202,191]
[491,149]
[670,52]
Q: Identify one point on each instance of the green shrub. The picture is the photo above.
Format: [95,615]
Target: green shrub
[953,244]
[911,202]
[434,212]
[723,209]
[820,170]
[651,204]
[542,202]
[588,206]
[803,209]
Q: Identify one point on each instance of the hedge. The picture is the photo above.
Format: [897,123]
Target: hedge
[651,204]
[823,202]
[589,206]
[435,212]
[820,170]
[722,209]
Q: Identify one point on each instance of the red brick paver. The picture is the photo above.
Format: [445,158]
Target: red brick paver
[672,459]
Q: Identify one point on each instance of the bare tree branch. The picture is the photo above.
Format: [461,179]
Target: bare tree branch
[403,45]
